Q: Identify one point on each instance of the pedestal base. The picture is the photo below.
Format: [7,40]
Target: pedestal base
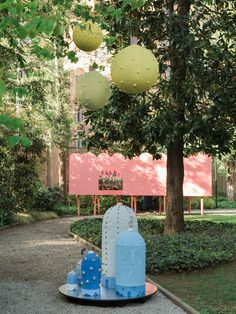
[107,297]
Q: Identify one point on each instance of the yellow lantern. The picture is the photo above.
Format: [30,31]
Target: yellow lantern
[134,69]
[89,37]
[93,90]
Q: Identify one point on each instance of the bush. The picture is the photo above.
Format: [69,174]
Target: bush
[224,203]
[7,216]
[203,243]
[63,210]
[28,218]
[89,229]
[46,198]
[18,177]
[209,203]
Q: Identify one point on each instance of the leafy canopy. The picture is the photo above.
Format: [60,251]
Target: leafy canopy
[204,88]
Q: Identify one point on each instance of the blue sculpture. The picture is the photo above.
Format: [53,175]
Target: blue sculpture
[78,270]
[91,274]
[72,280]
[130,264]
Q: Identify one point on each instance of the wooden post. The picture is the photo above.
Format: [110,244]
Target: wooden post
[160,204]
[135,204]
[164,203]
[131,201]
[78,205]
[189,205]
[202,207]
[94,204]
[99,208]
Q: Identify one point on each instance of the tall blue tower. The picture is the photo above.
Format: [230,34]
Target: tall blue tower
[130,264]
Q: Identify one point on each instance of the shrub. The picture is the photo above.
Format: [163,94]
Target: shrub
[18,177]
[28,218]
[46,198]
[63,210]
[203,243]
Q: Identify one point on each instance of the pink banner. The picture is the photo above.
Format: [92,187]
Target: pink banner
[114,175]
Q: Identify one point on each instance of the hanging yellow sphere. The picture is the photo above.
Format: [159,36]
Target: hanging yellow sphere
[93,90]
[89,37]
[134,69]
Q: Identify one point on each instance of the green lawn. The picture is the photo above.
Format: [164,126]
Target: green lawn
[215,218]
[210,291]
[211,217]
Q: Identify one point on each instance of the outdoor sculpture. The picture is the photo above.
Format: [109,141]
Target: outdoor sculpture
[72,280]
[134,69]
[130,264]
[88,36]
[116,220]
[93,90]
[123,264]
[91,274]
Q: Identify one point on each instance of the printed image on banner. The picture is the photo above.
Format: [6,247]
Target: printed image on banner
[110,180]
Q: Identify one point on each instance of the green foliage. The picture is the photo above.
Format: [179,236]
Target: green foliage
[89,229]
[28,218]
[46,198]
[33,95]
[194,97]
[224,203]
[18,177]
[207,295]
[65,210]
[203,243]
[210,203]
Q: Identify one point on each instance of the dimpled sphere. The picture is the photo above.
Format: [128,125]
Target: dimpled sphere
[134,69]
[93,91]
[88,39]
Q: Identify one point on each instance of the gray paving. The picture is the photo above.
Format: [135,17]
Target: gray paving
[34,261]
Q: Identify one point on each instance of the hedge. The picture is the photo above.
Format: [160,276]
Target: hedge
[203,243]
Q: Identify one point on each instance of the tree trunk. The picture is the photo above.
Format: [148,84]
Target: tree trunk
[49,167]
[179,51]
[62,175]
[230,166]
[175,175]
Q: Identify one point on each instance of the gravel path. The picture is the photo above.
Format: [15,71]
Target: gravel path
[34,261]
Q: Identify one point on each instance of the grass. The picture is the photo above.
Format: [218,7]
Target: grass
[28,218]
[214,218]
[65,210]
[210,291]
[211,217]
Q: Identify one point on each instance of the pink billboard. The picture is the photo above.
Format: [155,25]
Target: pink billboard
[115,175]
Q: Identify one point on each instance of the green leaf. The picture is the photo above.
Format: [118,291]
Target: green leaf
[2,88]
[95,65]
[25,142]
[4,119]
[110,40]
[17,123]
[72,56]
[13,140]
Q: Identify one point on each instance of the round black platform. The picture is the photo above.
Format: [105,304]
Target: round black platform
[108,297]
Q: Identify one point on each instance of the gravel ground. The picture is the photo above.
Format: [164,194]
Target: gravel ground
[34,261]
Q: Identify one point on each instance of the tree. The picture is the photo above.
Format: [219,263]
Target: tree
[192,108]
[32,45]
[41,27]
